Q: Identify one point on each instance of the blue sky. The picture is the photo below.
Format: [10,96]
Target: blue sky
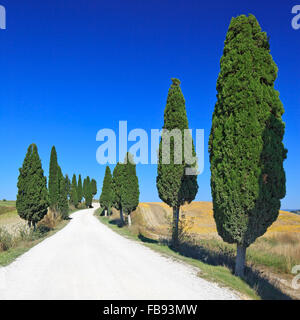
[71,68]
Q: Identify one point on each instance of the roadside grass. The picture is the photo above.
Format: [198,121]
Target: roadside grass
[20,245]
[16,238]
[218,273]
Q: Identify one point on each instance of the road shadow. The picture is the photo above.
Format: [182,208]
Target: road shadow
[263,286]
[116,222]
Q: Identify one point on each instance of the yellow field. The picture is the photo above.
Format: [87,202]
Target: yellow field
[199,215]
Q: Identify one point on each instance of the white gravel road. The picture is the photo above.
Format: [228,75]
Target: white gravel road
[87,260]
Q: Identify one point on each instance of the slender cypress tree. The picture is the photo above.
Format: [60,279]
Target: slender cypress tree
[74,195]
[88,192]
[106,198]
[131,192]
[53,183]
[68,186]
[245,144]
[79,189]
[119,180]
[93,187]
[63,206]
[174,186]
[32,199]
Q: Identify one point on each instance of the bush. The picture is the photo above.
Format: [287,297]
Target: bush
[6,240]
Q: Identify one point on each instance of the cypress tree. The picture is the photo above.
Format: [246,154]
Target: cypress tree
[53,183]
[63,206]
[68,186]
[88,192]
[93,187]
[174,186]
[131,193]
[106,197]
[79,189]
[32,198]
[119,180]
[74,195]
[245,144]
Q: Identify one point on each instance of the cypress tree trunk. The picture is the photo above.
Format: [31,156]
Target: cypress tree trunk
[175,227]
[240,260]
[29,224]
[105,213]
[129,220]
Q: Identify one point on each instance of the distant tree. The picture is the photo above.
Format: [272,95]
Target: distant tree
[63,205]
[174,186]
[131,193]
[32,199]
[53,180]
[88,192]
[93,187]
[79,189]
[106,197]
[74,195]
[68,186]
[245,144]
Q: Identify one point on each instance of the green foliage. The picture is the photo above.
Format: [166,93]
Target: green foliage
[119,179]
[68,186]
[173,185]
[88,192]
[74,194]
[32,199]
[79,189]
[125,186]
[106,197]
[93,187]
[63,204]
[53,183]
[130,192]
[245,144]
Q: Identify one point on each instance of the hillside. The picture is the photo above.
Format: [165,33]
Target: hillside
[154,217]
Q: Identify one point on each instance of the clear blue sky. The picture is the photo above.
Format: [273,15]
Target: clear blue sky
[71,68]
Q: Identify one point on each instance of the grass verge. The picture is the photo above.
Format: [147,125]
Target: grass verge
[8,256]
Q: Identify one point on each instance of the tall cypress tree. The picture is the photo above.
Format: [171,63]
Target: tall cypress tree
[74,195]
[174,186]
[106,197]
[79,189]
[68,186]
[32,199]
[88,192]
[131,192]
[63,206]
[93,187]
[53,183]
[245,144]
[119,180]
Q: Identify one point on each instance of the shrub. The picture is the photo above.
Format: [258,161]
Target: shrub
[6,240]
